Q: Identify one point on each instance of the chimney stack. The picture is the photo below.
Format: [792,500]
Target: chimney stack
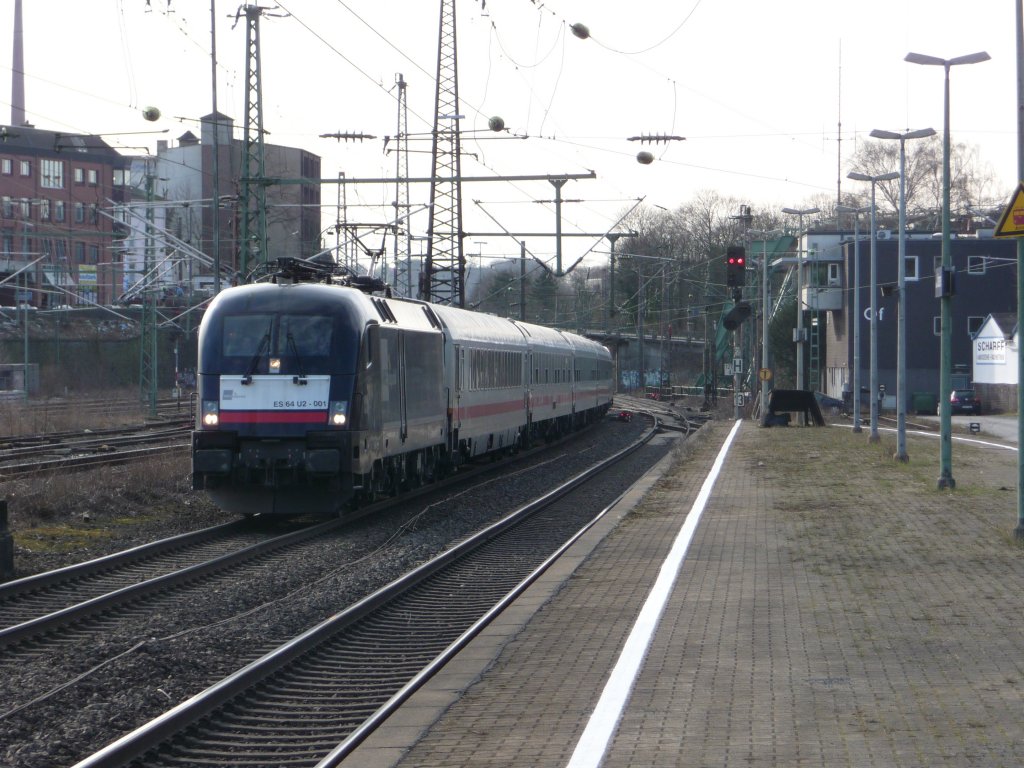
[18,71]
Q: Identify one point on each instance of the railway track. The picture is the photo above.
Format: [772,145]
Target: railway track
[315,697]
[40,612]
[74,603]
[34,454]
[44,413]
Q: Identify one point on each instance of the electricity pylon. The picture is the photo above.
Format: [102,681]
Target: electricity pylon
[253,234]
[442,280]
[403,256]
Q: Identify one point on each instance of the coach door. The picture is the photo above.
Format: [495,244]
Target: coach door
[402,385]
[460,380]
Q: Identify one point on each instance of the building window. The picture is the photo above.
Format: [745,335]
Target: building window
[52,173]
[976,265]
[79,252]
[833,275]
[25,166]
[79,176]
[79,213]
[93,177]
[910,268]
[44,209]
[94,254]
[94,214]
[8,207]
[8,244]
[5,166]
[25,206]
[937,325]
[58,210]
[974,323]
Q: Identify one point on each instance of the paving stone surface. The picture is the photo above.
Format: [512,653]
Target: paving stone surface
[834,608]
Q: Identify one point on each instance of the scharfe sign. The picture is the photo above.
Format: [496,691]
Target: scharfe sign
[990,351]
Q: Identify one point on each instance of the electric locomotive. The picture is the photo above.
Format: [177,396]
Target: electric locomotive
[314,395]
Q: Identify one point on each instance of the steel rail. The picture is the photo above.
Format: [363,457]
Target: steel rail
[114,560]
[91,460]
[89,608]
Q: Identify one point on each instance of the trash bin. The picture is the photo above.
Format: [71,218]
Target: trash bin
[925,403]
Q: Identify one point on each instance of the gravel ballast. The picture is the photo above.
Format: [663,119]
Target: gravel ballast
[66,704]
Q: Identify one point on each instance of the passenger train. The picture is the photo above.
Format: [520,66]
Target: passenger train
[315,395]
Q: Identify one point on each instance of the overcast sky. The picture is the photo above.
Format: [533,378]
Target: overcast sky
[758,89]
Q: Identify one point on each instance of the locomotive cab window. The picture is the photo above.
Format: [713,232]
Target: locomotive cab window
[243,334]
[302,335]
[303,342]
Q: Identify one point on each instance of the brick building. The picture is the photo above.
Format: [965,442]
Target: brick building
[56,246]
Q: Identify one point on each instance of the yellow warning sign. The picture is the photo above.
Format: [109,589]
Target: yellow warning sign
[1011,223]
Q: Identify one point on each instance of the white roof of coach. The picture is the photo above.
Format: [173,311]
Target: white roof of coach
[465,325]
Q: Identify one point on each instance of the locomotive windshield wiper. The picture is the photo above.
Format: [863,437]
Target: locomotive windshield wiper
[264,343]
[301,377]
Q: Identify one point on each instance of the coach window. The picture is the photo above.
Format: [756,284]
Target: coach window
[937,325]
[974,323]
[976,265]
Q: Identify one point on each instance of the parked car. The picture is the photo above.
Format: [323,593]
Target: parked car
[964,401]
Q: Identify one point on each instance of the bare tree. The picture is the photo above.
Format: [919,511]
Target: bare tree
[972,183]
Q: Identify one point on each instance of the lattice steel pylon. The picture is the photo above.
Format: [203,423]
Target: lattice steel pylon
[403,253]
[444,270]
[253,231]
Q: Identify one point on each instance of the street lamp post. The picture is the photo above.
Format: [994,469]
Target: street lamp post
[945,302]
[800,212]
[856,307]
[873,436]
[901,307]
[764,235]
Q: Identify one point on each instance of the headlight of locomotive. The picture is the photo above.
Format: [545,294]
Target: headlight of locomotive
[338,416]
[211,413]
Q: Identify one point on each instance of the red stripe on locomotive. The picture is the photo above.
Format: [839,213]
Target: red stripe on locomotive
[273,417]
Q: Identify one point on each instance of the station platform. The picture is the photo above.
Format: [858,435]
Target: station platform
[766,596]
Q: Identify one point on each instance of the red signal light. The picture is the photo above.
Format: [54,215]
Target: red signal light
[735,267]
